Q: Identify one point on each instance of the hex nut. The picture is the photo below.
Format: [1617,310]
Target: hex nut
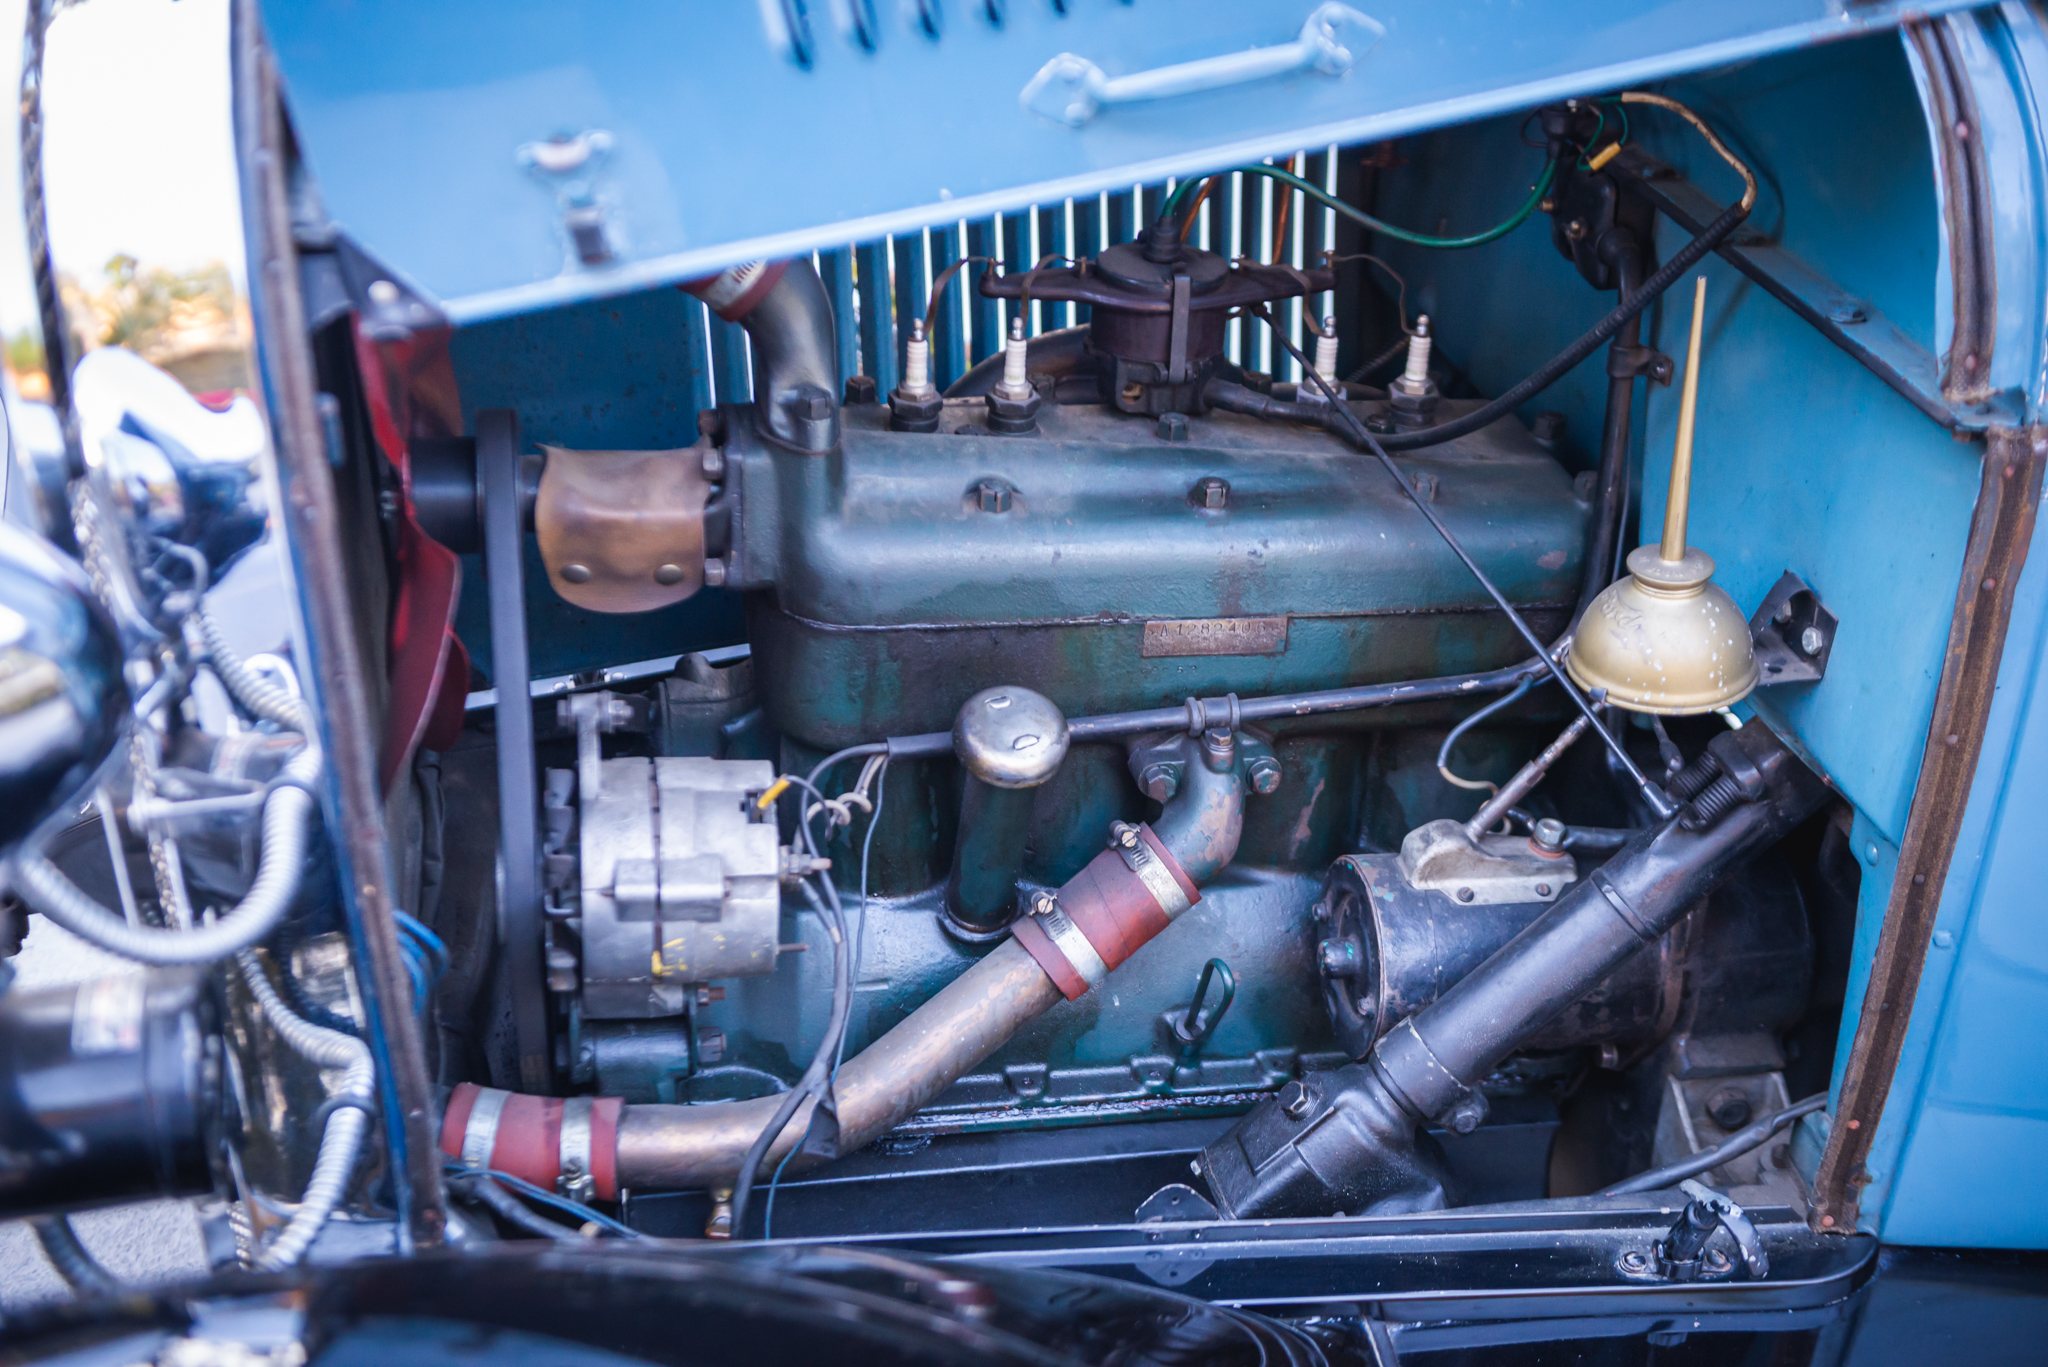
[1173,427]
[1013,417]
[915,413]
[1729,1109]
[862,389]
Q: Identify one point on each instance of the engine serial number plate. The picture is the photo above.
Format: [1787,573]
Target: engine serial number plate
[1217,636]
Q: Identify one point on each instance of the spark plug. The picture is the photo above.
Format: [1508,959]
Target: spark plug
[1013,404]
[915,405]
[1326,366]
[1413,396]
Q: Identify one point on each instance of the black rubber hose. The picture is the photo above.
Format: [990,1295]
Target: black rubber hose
[512,1209]
[79,1269]
[1555,369]
[1610,501]
[1734,1146]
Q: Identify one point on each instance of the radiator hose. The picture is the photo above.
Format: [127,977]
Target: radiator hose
[1074,938]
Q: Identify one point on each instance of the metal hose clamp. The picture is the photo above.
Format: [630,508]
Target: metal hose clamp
[480,1133]
[1066,937]
[577,1181]
[1142,860]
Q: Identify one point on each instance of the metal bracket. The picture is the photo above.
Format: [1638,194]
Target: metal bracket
[1177,348]
[1793,633]
[1625,363]
[1851,323]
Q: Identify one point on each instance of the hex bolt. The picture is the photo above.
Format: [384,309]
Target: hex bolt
[1466,1116]
[714,572]
[1159,782]
[862,389]
[1548,834]
[1337,958]
[1728,1109]
[1211,493]
[1173,427]
[1811,640]
[993,495]
[1264,773]
[1296,1100]
[816,407]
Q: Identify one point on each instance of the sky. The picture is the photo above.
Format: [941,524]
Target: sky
[138,152]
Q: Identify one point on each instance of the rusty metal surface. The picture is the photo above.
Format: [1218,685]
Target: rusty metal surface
[622,531]
[695,1146]
[1966,206]
[2007,504]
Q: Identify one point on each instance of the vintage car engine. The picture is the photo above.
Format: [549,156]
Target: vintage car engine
[1038,670]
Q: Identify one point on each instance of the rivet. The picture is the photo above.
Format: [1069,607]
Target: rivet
[1990,584]
[1855,1124]
[383,293]
[669,574]
[1919,880]
[1954,739]
[1827,1219]
[576,574]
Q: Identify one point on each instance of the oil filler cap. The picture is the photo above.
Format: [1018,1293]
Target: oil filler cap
[1010,737]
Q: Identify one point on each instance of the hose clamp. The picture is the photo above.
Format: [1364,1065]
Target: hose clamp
[576,1181]
[480,1133]
[1139,856]
[1068,939]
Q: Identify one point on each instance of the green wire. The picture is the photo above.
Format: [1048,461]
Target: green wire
[1317,193]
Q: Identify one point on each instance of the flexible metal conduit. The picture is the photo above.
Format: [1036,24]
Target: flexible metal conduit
[341,1142]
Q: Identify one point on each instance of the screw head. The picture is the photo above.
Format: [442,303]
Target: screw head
[1543,889]
[1210,492]
[1465,894]
[1635,1261]
[1576,229]
[993,495]
[1811,640]
[1042,903]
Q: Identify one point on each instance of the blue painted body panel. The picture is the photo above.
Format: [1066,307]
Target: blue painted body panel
[411,115]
